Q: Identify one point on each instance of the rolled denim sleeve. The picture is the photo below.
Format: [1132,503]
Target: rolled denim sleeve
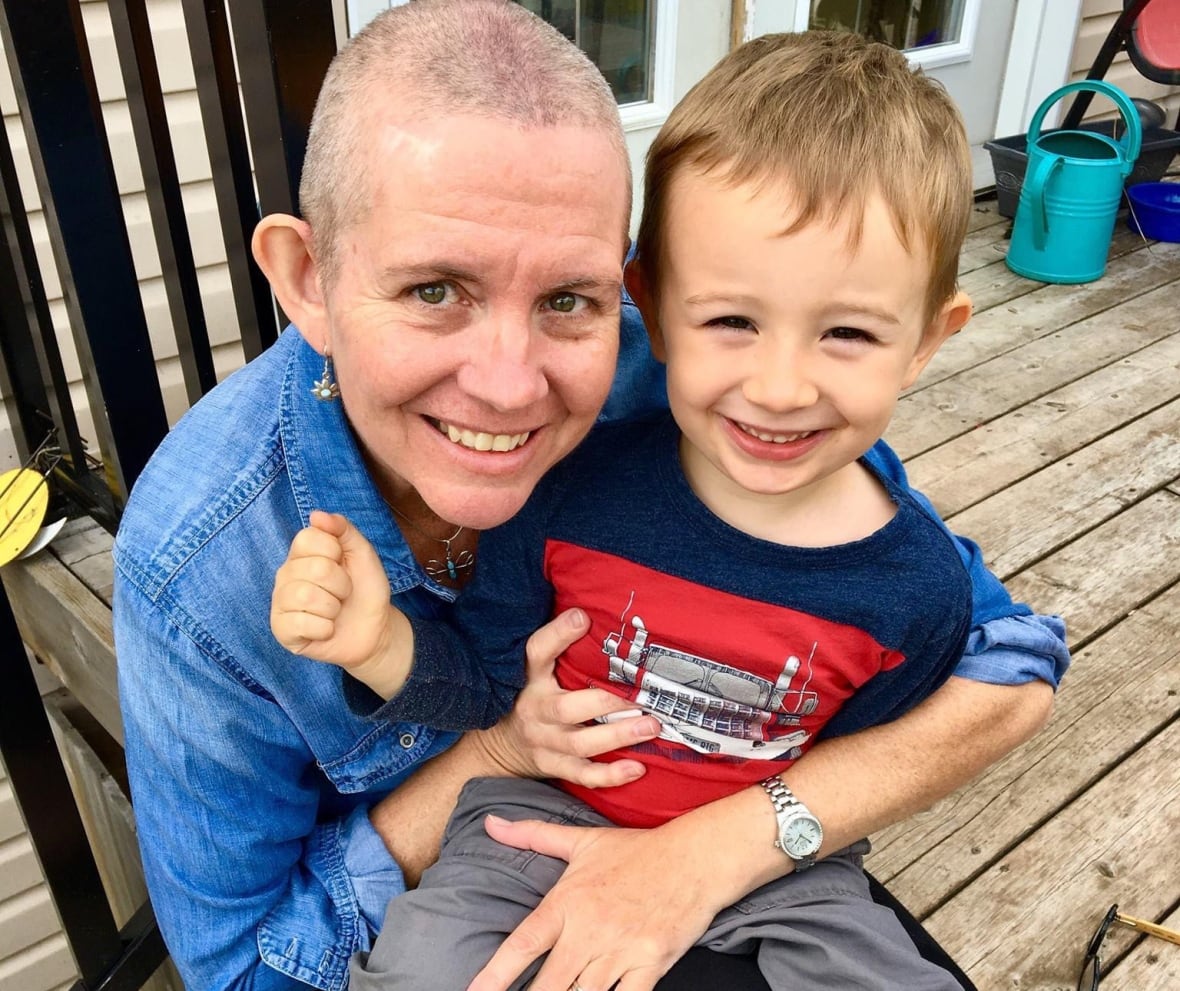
[311,937]
[1008,644]
[1012,650]
[252,886]
[376,877]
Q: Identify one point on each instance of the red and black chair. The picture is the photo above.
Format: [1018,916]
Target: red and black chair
[1149,32]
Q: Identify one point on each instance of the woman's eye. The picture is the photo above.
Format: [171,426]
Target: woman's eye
[564,302]
[433,292]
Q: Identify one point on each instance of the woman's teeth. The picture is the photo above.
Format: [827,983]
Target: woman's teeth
[774,438]
[479,441]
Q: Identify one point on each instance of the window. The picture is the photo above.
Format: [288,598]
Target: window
[618,36]
[906,24]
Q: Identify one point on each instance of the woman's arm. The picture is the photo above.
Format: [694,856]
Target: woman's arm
[597,923]
[248,886]
[544,736]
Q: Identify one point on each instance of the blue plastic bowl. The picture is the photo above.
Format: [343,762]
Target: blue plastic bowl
[1156,207]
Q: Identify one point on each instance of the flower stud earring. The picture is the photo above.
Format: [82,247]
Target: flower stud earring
[326,388]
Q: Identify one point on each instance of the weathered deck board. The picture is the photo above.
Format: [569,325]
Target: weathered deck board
[1047,510]
[1139,551]
[69,629]
[1118,837]
[85,549]
[980,463]
[999,328]
[1096,722]
[984,215]
[953,406]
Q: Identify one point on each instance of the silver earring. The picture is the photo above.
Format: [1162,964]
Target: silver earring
[326,388]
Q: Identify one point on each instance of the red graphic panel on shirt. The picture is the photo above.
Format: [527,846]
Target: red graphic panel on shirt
[735,682]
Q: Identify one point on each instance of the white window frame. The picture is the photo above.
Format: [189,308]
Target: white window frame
[933,56]
[636,116]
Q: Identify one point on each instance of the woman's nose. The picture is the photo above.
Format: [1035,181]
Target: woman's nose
[505,367]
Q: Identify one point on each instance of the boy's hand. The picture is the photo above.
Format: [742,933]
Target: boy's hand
[331,603]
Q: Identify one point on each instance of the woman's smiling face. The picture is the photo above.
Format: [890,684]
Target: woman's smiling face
[474,321]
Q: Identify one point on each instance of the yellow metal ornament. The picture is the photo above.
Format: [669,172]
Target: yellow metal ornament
[24,498]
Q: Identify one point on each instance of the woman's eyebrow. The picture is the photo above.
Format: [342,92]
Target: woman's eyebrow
[427,272]
[589,283]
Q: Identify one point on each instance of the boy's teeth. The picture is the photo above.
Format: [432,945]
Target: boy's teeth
[482,441]
[775,438]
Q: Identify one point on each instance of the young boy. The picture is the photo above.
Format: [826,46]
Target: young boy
[751,578]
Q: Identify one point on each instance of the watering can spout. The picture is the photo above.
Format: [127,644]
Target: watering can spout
[1070,198]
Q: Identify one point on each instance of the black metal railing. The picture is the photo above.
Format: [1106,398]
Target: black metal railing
[282,50]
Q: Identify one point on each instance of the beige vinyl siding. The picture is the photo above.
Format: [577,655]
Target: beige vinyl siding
[176,75]
[1098,16]
[33,952]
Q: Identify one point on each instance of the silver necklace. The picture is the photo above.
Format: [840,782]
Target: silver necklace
[451,564]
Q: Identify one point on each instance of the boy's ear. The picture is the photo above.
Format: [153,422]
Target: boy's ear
[282,246]
[947,322]
[640,290]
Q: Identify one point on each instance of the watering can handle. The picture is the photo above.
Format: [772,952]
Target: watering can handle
[1034,190]
[1132,140]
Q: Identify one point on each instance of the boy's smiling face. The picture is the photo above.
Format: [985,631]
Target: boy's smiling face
[786,354]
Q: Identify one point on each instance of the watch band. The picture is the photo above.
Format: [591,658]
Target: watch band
[781,797]
[788,808]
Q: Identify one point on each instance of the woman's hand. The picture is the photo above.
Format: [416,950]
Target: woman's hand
[629,905]
[553,733]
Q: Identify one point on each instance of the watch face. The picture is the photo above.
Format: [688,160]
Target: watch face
[802,837]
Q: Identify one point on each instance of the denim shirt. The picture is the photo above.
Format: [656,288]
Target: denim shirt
[251,778]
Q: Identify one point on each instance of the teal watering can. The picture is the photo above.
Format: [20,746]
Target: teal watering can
[1070,198]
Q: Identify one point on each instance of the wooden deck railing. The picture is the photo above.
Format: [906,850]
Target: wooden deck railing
[282,50]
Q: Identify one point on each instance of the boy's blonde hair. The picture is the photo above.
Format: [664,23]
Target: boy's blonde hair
[836,118]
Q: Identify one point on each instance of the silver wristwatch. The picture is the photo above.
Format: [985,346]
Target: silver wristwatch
[799,832]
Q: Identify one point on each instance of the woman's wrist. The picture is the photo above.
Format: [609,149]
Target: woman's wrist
[745,860]
[499,752]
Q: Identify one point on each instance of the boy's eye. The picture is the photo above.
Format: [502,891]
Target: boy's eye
[850,334]
[434,292]
[734,323]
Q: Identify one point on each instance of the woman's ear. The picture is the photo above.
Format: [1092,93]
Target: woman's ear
[641,291]
[284,250]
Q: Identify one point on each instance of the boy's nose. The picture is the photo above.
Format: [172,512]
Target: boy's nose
[504,369]
[780,380]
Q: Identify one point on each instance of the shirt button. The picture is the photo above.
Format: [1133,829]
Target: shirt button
[406,740]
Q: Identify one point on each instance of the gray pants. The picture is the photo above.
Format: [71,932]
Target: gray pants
[811,931]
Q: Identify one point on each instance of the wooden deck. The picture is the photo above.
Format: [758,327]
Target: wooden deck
[1049,432]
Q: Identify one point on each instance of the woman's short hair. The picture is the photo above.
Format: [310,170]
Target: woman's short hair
[488,58]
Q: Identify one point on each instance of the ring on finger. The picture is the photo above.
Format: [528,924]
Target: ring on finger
[576,987]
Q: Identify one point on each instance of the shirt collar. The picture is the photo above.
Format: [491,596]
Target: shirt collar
[326,468]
